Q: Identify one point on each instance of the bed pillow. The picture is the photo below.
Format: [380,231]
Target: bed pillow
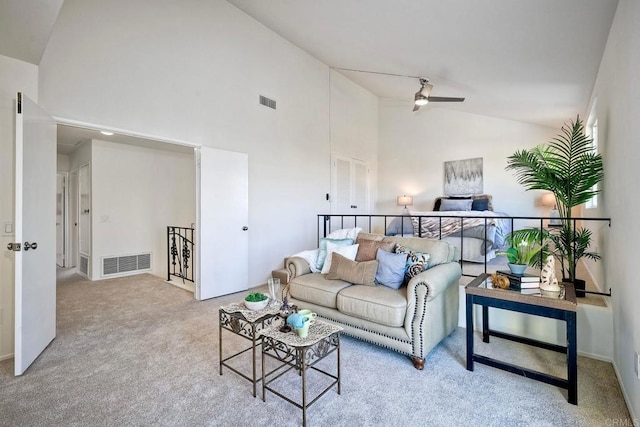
[416,263]
[399,226]
[346,251]
[322,254]
[391,267]
[480,205]
[368,248]
[455,204]
[358,273]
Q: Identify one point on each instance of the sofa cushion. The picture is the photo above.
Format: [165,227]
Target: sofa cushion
[390,268]
[346,251]
[316,289]
[358,273]
[368,248]
[378,304]
[417,262]
[322,255]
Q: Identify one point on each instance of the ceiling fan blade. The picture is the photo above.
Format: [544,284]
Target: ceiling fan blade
[444,99]
[426,89]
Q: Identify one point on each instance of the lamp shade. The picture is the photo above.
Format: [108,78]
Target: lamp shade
[405,200]
[548,199]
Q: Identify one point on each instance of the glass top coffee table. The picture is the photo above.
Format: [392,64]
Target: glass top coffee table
[300,354]
[556,305]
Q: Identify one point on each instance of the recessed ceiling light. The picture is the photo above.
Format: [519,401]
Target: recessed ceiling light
[104,132]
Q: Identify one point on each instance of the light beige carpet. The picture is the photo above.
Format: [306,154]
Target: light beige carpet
[136,351]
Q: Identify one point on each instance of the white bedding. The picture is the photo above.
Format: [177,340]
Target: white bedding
[475,246]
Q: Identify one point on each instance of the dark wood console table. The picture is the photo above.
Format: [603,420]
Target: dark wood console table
[560,306]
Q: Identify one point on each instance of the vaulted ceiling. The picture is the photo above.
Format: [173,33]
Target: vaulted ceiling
[529,60]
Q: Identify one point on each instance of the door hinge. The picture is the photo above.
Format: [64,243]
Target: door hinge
[16,247]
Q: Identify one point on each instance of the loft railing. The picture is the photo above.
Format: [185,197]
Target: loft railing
[180,246]
[380,223]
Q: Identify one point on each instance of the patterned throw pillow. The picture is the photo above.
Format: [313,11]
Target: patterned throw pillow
[417,262]
[368,248]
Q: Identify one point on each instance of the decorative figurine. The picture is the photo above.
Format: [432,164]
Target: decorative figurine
[548,280]
[500,281]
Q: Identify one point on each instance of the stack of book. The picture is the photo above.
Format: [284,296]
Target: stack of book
[526,283]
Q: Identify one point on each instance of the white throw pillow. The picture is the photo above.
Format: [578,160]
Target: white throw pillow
[345,233]
[346,251]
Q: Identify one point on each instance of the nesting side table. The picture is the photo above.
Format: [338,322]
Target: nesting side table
[300,354]
[237,319]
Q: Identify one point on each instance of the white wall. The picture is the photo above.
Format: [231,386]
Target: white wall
[354,125]
[617,90]
[15,76]
[414,147]
[193,71]
[63,162]
[136,193]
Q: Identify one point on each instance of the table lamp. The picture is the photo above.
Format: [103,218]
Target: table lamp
[549,200]
[406,201]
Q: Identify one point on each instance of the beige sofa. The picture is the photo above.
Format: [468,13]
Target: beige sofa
[411,320]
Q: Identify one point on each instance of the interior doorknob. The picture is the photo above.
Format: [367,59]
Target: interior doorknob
[28,246]
[245,228]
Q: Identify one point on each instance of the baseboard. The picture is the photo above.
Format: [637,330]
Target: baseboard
[625,395]
[596,357]
[6,357]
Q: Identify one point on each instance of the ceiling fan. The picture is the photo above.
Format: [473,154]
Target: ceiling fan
[422,96]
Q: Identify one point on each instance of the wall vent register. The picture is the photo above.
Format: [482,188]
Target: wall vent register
[271,103]
[127,264]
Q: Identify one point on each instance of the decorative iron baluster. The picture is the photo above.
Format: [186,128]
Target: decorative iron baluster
[178,259]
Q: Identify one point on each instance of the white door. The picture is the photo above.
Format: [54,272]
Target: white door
[35,207]
[222,217]
[84,223]
[72,251]
[61,218]
[350,190]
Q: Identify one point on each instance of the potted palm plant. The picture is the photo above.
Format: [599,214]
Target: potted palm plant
[569,168]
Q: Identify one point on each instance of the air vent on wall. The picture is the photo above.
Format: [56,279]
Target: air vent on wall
[127,264]
[271,103]
[84,265]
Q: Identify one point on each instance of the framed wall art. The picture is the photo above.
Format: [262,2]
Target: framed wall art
[463,177]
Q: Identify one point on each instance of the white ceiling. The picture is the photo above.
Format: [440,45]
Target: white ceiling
[71,137]
[25,27]
[533,61]
[529,60]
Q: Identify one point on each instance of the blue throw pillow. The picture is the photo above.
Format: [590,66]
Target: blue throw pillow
[322,255]
[417,262]
[390,270]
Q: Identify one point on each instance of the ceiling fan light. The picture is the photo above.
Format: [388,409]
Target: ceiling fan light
[421,100]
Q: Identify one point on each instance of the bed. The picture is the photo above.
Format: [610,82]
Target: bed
[460,221]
